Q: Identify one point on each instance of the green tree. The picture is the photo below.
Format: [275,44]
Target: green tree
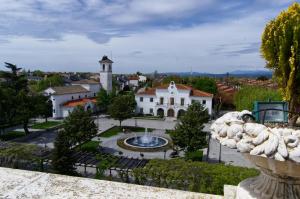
[62,155]
[188,134]
[80,126]
[176,79]
[281,49]
[262,78]
[103,100]
[244,99]
[123,107]
[204,84]
[43,107]
[54,80]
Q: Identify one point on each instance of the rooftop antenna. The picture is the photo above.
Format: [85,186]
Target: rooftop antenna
[111,57]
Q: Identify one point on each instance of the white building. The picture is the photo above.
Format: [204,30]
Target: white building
[80,93]
[170,100]
[133,81]
[142,78]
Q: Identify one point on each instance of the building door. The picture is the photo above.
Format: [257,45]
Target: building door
[171,113]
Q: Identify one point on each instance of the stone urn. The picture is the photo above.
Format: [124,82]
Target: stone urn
[278,179]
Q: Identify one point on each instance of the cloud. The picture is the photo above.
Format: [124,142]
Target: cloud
[144,35]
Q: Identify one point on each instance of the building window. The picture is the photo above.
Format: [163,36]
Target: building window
[182,101]
[151,99]
[109,67]
[141,110]
[151,110]
[79,97]
[86,96]
[94,94]
[204,102]
[172,100]
[161,100]
[72,97]
[53,110]
[103,67]
[141,99]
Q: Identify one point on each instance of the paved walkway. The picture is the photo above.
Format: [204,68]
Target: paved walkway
[228,156]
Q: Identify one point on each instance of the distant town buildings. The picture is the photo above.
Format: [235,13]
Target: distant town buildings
[170,100]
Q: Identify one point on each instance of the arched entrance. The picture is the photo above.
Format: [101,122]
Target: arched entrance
[180,113]
[171,113]
[160,112]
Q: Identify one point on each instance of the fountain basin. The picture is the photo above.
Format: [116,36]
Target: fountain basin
[151,142]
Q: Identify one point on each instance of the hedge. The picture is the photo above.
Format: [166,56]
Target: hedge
[192,176]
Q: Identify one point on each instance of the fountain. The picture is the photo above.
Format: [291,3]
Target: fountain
[146,141]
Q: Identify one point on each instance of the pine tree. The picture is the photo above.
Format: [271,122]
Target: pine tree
[62,160]
[188,133]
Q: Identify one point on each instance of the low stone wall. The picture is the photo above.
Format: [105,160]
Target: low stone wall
[28,184]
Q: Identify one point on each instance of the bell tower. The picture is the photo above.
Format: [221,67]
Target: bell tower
[106,73]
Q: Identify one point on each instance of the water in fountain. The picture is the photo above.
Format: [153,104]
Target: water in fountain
[146,138]
[135,139]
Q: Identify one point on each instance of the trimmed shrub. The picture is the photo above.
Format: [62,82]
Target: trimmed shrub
[90,146]
[11,135]
[194,155]
[192,176]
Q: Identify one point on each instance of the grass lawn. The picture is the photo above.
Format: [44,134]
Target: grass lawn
[11,135]
[90,146]
[116,129]
[45,125]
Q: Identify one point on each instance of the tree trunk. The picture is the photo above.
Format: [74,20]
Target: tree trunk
[293,108]
[46,119]
[120,123]
[25,127]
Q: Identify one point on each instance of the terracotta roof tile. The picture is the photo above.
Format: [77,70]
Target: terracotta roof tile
[79,102]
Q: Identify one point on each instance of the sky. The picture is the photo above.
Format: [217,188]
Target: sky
[211,36]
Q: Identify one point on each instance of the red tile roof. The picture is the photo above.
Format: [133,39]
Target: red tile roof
[194,92]
[79,102]
[133,78]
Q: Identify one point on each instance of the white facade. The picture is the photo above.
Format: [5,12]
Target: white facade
[171,100]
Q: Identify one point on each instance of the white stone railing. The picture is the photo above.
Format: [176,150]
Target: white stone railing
[29,184]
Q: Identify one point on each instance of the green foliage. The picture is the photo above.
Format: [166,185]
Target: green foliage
[104,99]
[117,129]
[245,97]
[90,146]
[11,135]
[17,104]
[176,79]
[62,159]
[80,126]
[20,151]
[262,78]
[106,161]
[194,155]
[281,50]
[204,84]
[123,107]
[46,125]
[188,133]
[192,176]
[54,80]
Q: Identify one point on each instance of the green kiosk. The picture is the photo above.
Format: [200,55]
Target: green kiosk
[270,111]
